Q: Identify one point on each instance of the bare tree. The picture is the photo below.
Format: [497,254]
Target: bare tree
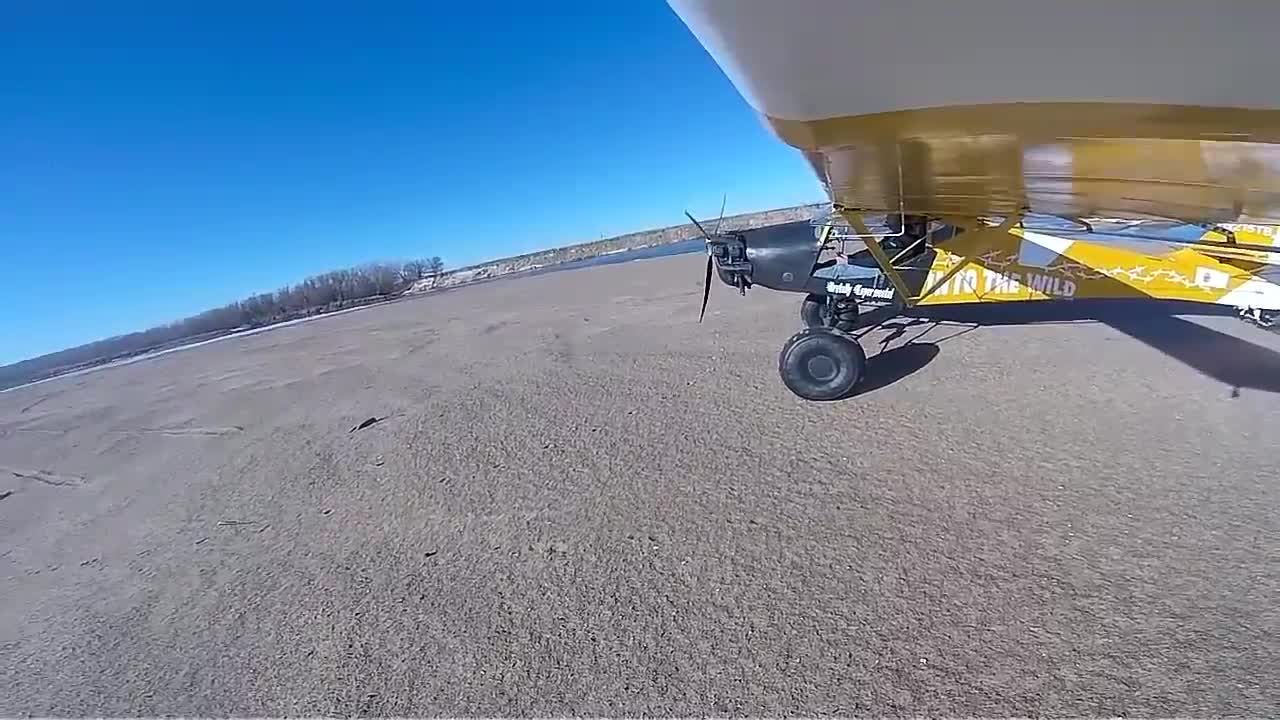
[384,279]
[260,309]
[360,283]
[435,268]
[351,282]
[413,270]
[291,300]
[339,282]
[327,290]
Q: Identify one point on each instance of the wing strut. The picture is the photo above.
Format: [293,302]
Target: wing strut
[888,265]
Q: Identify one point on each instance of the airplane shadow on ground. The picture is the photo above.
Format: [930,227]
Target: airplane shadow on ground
[893,364]
[1231,360]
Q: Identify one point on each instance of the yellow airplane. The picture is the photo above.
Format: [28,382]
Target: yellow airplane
[997,151]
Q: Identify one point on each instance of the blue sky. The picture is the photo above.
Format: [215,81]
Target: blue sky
[159,159]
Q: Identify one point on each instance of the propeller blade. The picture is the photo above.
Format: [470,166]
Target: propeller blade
[720,219]
[706,289]
[698,225]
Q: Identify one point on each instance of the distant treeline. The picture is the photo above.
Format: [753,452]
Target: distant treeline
[349,288]
[329,292]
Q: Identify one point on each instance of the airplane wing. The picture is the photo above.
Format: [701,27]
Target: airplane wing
[1150,130]
[987,108]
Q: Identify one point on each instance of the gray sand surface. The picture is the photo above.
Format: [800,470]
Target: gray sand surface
[580,501]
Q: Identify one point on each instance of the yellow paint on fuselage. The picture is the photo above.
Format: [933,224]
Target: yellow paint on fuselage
[993,268]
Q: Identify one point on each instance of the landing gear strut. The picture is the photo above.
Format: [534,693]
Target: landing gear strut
[825,311]
[822,363]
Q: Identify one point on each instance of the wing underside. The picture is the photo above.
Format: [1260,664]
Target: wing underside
[972,109]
